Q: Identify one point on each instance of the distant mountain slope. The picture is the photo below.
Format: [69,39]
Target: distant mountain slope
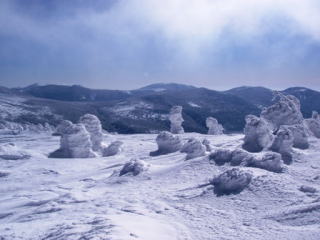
[258,96]
[309,99]
[72,93]
[146,109]
[262,97]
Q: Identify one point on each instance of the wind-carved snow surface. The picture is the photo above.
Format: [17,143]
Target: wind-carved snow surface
[157,197]
[214,127]
[176,120]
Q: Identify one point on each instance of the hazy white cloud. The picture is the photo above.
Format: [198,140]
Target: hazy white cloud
[109,40]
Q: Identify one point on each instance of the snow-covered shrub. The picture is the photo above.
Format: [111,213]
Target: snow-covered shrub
[313,124]
[236,157]
[300,136]
[232,181]
[193,148]
[167,143]
[258,135]
[214,127]
[9,151]
[240,157]
[206,143]
[113,149]
[74,143]
[176,120]
[93,126]
[283,143]
[269,161]
[134,166]
[284,112]
[221,156]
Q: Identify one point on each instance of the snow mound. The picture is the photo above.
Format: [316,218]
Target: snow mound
[232,181]
[93,126]
[283,143]
[167,143]
[113,149]
[134,167]
[214,127]
[258,135]
[74,143]
[176,120]
[193,148]
[10,151]
[284,112]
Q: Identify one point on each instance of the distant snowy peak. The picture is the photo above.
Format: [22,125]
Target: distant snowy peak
[159,87]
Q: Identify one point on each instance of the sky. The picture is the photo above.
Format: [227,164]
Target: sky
[127,44]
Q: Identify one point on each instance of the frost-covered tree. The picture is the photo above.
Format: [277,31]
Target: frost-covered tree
[258,135]
[313,124]
[176,120]
[283,143]
[300,135]
[232,181]
[75,142]
[93,126]
[193,148]
[167,143]
[284,112]
[214,127]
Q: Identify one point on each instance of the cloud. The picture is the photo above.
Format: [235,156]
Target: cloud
[167,39]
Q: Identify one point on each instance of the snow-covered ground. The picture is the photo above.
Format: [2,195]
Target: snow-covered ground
[47,198]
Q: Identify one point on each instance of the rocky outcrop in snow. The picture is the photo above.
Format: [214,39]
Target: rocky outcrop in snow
[283,143]
[284,112]
[232,181]
[167,143]
[75,142]
[10,151]
[176,120]
[134,167]
[193,148]
[113,149]
[214,127]
[258,135]
[93,126]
